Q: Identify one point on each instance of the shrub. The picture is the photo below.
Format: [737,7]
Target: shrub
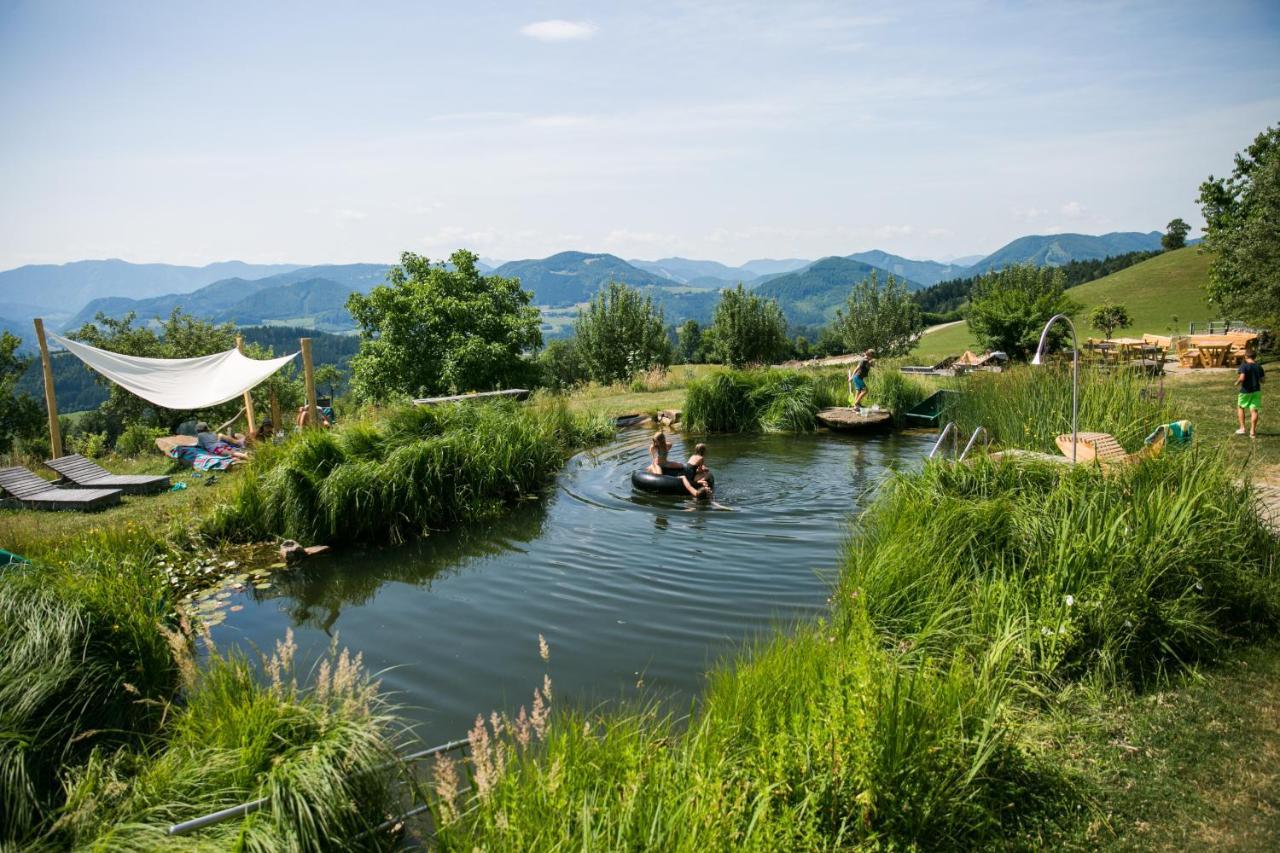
[138,439]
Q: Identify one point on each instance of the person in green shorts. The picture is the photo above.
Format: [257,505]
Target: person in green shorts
[1249,380]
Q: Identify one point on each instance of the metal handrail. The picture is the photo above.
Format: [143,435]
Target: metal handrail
[973,438]
[952,430]
[252,806]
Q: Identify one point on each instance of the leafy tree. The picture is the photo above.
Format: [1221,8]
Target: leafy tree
[329,377]
[801,347]
[442,328]
[1008,309]
[689,343]
[747,329]
[20,414]
[1109,317]
[180,336]
[560,365]
[619,334]
[1242,229]
[1175,235]
[885,318]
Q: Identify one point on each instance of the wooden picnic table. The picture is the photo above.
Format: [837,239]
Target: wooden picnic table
[1213,355]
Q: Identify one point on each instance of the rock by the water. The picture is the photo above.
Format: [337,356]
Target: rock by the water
[847,419]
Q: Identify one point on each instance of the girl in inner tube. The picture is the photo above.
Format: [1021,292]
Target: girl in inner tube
[696,474]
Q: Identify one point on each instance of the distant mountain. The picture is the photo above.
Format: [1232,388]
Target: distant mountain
[963,260]
[769,266]
[221,299]
[1054,250]
[811,296]
[572,277]
[321,301]
[922,272]
[58,289]
[695,273]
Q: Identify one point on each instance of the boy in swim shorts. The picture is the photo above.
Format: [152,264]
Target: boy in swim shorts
[1249,379]
[858,380]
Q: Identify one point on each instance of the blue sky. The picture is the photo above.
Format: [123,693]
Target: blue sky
[313,132]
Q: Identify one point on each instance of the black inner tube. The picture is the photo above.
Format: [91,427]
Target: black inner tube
[665,484]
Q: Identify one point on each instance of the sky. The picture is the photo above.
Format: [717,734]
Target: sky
[317,132]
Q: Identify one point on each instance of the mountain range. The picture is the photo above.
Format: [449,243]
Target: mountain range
[315,296]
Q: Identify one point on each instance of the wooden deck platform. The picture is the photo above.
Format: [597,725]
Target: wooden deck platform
[513,393]
[846,419]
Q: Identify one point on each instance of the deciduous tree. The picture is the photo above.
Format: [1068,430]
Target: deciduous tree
[1008,309]
[20,414]
[1175,235]
[619,334]
[881,317]
[1108,317]
[747,329]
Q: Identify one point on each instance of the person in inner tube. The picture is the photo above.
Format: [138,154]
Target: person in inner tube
[696,476]
[658,450]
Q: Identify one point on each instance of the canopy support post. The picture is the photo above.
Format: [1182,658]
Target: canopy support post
[275,408]
[309,377]
[50,399]
[248,398]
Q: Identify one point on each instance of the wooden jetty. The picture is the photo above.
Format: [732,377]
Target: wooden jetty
[513,393]
[847,419]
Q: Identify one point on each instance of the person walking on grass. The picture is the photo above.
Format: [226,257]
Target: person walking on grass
[1249,379]
[858,380]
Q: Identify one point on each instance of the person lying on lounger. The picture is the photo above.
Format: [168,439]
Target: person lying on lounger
[219,444]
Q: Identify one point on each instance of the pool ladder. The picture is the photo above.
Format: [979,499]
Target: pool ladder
[954,432]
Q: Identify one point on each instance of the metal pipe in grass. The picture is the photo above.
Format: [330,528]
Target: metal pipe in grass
[256,805]
[1075,373]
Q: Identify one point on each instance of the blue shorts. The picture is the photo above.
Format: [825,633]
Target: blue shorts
[859,384]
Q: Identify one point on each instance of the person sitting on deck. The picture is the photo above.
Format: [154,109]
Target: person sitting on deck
[325,412]
[219,444]
[696,473]
[658,450]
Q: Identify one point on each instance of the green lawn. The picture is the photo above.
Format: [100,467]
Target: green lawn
[1162,295]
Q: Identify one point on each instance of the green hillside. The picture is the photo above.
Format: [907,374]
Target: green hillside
[811,296]
[1162,295]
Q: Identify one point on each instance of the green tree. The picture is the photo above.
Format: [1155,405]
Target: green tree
[560,365]
[1108,317]
[442,328]
[20,414]
[329,377]
[689,342]
[1242,229]
[619,334]
[1175,235]
[885,318]
[747,329]
[1008,309]
[180,336]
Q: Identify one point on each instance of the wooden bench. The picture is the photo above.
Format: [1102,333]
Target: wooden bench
[29,491]
[86,474]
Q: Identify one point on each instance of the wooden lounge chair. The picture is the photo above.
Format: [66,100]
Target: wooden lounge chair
[1102,447]
[29,491]
[87,475]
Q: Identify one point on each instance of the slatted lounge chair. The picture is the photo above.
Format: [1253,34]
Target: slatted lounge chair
[86,475]
[1103,448]
[27,490]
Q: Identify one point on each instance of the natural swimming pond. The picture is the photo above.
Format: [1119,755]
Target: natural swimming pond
[636,594]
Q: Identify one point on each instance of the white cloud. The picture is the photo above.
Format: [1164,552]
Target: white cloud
[559,30]
[1027,214]
[1073,210]
[348,215]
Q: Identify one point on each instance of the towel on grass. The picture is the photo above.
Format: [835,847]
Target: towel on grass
[199,459]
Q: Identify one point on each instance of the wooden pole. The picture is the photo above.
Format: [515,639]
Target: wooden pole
[248,398]
[275,409]
[50,399]
[309,376]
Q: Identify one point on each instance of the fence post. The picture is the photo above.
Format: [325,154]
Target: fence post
[50,399]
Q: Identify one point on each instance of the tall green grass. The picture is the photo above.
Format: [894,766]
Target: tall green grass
[1028,407]
[413,470]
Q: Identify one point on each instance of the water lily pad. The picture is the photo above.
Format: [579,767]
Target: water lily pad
[236,608]
[262,585]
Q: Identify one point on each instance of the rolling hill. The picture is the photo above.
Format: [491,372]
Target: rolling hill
[58,289]
[770,266]
[568,278]
[1162,294]
[695,273]
[224,299]
[812,295]
[923,273]
[1054,250]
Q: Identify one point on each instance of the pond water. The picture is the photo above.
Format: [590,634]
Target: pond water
[636,594]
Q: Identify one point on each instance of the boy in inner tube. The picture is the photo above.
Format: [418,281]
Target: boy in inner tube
[696,474]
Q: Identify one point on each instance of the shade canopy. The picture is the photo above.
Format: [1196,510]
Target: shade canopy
[179,383]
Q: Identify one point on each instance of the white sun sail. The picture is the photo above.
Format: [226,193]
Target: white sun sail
[179,383]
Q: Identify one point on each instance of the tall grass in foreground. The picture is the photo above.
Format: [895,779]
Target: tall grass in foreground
[413,470]
[1028,407]
[969,595]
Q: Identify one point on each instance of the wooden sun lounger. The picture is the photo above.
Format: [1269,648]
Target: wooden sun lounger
[85,474]
[1104,449]
[29,491]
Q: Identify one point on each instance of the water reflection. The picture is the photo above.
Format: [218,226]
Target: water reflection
[626,587]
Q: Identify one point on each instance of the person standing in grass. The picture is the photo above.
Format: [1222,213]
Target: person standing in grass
[858,380]
[1249,380]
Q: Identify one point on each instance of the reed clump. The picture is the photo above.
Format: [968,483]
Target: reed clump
[412,470]
[759,401]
